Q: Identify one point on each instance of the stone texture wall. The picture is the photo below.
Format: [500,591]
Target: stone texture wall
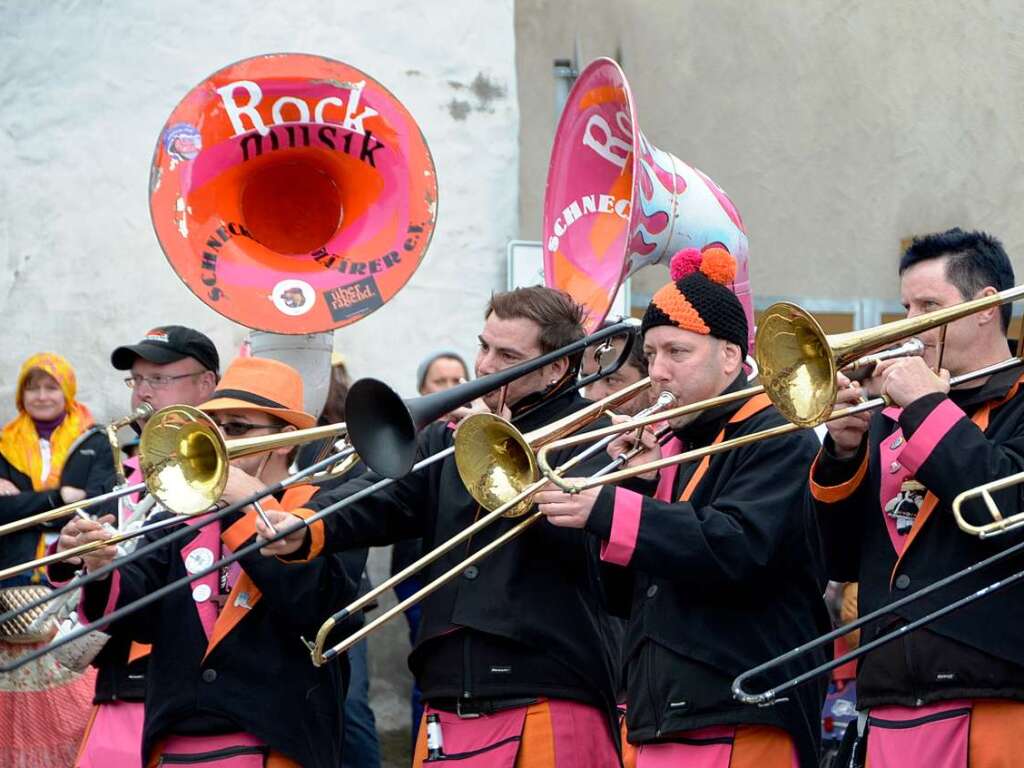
[86,88]
[84,91]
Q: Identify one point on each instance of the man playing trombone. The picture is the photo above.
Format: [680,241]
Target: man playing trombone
[882,487]
[714,564]
[171,364]
[227,675]
[516,658]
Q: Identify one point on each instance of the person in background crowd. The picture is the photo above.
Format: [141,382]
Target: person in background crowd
[48,457]
[170,365]
[634,369]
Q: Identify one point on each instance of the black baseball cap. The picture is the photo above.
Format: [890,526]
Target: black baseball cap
[168,344]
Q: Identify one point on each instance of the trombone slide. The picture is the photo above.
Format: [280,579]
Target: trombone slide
[999,523]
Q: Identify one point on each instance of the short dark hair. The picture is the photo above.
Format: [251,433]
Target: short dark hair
[974,260]
[559,317]
[637,358]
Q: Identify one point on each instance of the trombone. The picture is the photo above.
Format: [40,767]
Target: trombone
[770,695]
[490,474]
[144,411]
[184,459]
[999,524]
[395,415]
[797,363]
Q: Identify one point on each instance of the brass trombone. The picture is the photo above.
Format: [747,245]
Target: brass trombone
[984,491]
[144,411]
[184,459]
[490,474]
[798,361]
[770,695]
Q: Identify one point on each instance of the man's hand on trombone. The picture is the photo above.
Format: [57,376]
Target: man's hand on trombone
[906,379]
[81,530]
[566,510]
[572,510]
[282,521]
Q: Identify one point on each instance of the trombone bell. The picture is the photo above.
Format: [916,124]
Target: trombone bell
[796,364]
[494,462]
[182,459]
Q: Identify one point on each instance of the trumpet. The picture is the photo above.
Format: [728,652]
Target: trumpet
[144,411]
[488,495]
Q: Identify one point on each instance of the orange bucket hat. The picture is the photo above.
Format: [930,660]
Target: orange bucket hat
[260,384]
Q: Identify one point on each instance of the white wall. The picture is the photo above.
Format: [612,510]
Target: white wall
[84,91]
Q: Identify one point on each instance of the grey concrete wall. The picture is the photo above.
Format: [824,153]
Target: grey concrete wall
[84,91]
[838,128]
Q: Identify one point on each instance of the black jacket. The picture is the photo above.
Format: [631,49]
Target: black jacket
[976,651]
[528,620]
[258,678]
[89,466]
[719,584]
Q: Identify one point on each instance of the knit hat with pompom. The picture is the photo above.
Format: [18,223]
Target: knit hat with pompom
[699,298]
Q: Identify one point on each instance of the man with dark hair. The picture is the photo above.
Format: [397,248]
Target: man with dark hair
[882,487]
[713,563]
[514,657]
[972,261]
[634,369]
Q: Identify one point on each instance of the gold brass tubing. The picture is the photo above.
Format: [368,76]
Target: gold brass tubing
[999,523]
[738,442]
[67,509]
[84,549]
[555,476]
[320,656]
[552,431]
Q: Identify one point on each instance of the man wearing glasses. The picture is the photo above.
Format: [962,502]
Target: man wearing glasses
[229,680]
[171,365]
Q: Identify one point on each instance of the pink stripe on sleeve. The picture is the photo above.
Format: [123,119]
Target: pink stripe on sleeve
[927,436]
[625,528]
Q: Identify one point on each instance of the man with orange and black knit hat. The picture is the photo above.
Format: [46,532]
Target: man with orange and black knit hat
[714,563]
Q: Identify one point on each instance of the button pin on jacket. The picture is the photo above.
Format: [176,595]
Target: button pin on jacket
[197,559]
[202,593]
